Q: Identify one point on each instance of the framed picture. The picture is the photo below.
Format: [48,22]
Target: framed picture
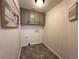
[73,12]
[9,17]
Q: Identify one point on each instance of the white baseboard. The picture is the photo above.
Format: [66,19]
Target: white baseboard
[19,54]
[36,43]
[31,44]
[53,51]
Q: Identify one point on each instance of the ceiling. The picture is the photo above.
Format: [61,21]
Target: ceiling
[30,4]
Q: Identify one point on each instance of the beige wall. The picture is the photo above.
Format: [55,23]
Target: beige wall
[9,42]
[72,35]
[59,33]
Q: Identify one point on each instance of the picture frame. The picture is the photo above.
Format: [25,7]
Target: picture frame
[8,17]
[73,12]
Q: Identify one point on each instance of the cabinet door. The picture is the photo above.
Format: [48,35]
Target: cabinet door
[36,18]
[24,17]
[31,18]
[42,18]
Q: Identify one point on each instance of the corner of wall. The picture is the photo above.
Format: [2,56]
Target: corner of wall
[53,51]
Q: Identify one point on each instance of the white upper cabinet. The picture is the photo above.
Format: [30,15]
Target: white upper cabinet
[31,17]
[42,18]
[37,20]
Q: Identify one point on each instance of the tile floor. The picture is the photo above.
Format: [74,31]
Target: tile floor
[38,51]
